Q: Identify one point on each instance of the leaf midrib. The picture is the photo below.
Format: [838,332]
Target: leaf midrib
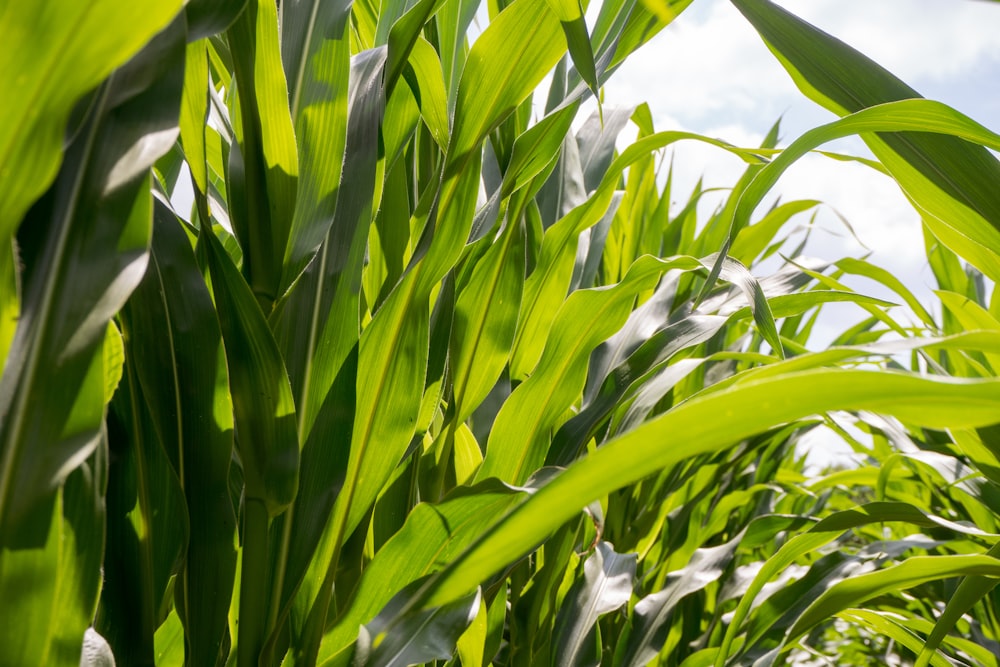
[13,451]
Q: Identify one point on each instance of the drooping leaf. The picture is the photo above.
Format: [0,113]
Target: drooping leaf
[653,612]
[606,585]
[969,592]
[546,287]
[695,427]
[949,180]
[820,534]
[430,635]
[518,443]
[905,574]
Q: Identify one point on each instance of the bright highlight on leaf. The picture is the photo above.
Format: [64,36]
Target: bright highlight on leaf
[325,344]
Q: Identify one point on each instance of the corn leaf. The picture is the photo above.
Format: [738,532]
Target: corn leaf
[176,347]
[51,58]
[695,428]
[431,536]
[951,181]
[606,585]
[94,221]
[316,57]
[264,169]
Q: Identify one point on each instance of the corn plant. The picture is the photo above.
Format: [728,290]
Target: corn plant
[333,336]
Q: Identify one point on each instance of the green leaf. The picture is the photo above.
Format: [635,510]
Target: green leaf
[30,585]
[429,635]
[267,155]
[147,530]
[180,362]
[971,316]
[209,17]
[754,239]
[822,533]
[906,574]
[392,362]
[50,59]
[84,247]
[695,427]
[50,591]
[454,20]
[740,276]
[860,267]
[971,590]
[548,284]
[914,115]
[10,296]
[570,14]
[194,114]
[428,89]
[114,360]
[654,612]
[405,31]
[266,436]
[536,148]
[393,356]
[432,535]
[485,320]
[169,642]
[324,465]
[506,63]
[951,182]
[564,189]
[319,322]
[643,19]
[470,646]
[519,440]
[319,330]
[596,142]
[606,585]
[610,376]
[316,56]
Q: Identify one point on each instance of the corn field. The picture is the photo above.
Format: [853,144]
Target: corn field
[336,333]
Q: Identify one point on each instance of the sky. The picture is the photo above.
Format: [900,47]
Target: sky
[710,73]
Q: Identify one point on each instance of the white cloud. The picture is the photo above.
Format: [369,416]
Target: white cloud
[705,62]
[915,39]
[710,73]
[711,62]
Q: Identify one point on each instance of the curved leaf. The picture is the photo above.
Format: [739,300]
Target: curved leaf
[696,427]
[908,573]
[84,247]
[606,585]
[50,59]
